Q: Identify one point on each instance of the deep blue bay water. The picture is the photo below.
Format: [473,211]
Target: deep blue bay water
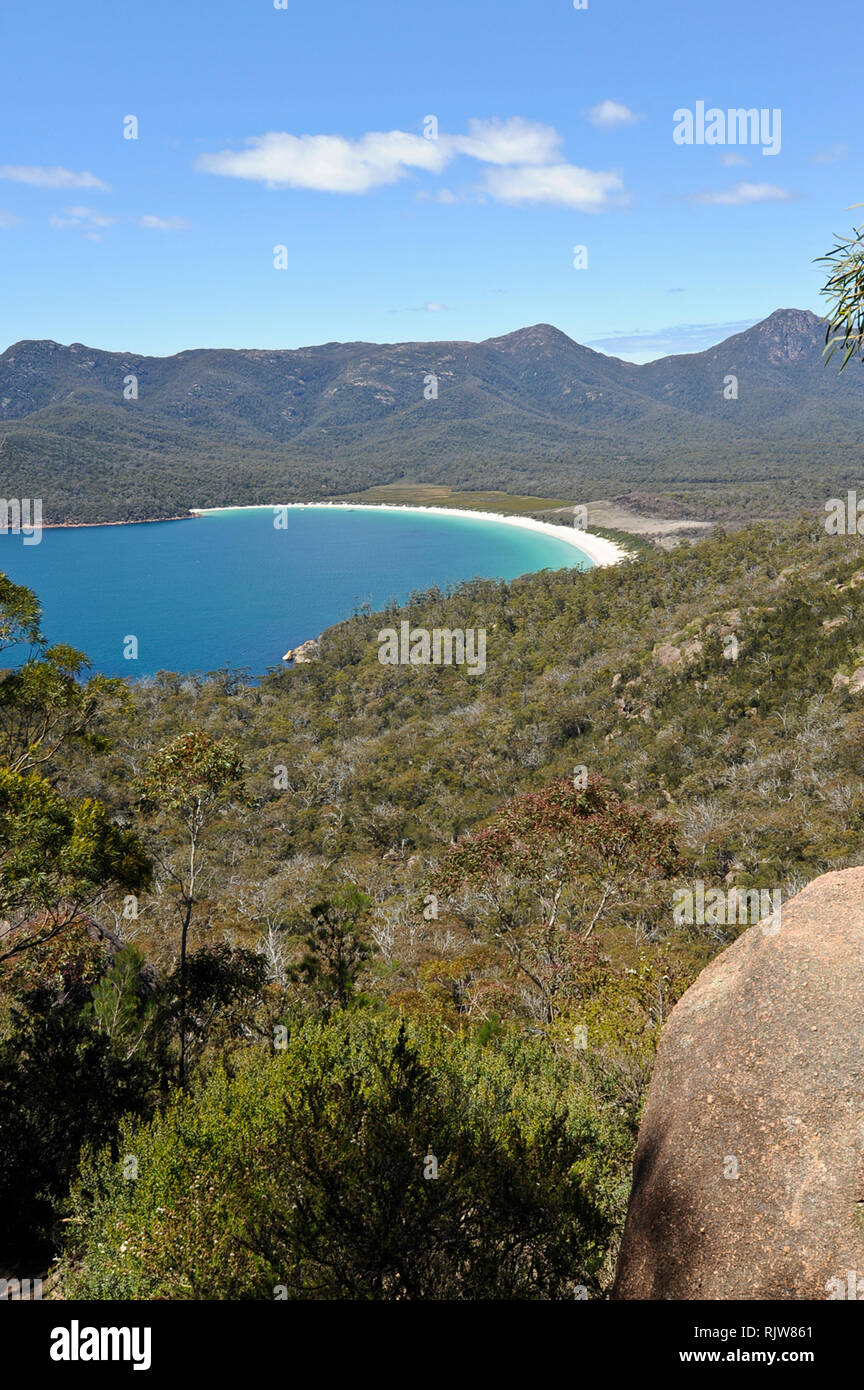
[228,588]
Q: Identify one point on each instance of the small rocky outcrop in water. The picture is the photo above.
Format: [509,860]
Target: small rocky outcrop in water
[749,1174]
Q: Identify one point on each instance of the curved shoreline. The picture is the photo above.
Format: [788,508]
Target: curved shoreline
[133,521]
[596,548]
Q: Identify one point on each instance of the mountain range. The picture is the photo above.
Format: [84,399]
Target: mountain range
[755,425]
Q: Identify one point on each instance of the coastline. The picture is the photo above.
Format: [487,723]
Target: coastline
[138,521]
[597,549]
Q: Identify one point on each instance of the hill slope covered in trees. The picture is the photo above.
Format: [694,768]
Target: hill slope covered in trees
[529,412]
[402,886]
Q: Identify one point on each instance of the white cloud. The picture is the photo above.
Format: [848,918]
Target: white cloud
[523,159]
[90,223]
[8,219]
[745,193]
[163,224]
[830,156]
[328,163]
[514,141]
[731,160]
[40,177]
[88,215]
[562,184]
[84,220]
[431,308]
[612,113]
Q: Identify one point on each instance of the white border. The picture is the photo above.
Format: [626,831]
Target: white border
[599,550]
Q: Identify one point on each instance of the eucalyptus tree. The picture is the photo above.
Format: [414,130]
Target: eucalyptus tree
[57,854]
[187,785]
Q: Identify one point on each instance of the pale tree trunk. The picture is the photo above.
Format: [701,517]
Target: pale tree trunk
[189,898]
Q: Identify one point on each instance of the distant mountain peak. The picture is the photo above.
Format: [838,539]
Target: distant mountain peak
[793,318]
[537,335]
[786,336]
[36,345]
[531,411]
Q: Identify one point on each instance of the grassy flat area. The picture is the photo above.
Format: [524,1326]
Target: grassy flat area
[436,495]
[624,527]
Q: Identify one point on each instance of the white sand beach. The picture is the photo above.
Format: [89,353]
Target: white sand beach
[599,550]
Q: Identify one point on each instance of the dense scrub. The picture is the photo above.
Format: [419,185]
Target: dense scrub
[360,1162]
[698,710]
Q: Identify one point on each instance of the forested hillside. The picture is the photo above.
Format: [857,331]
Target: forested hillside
[450,897]
[757,426]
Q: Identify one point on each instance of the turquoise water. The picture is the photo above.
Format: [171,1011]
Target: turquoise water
[229,588]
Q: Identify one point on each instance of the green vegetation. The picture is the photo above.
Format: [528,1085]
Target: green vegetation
[388,920]
[363,1161]
[186,783]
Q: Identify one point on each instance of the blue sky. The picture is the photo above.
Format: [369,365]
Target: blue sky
[303,127]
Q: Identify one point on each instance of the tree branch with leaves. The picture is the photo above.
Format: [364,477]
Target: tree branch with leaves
[844,291]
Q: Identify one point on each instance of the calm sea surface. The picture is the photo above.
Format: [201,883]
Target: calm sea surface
[229,588]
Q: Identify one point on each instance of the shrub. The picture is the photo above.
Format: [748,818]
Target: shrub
[311,1174]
